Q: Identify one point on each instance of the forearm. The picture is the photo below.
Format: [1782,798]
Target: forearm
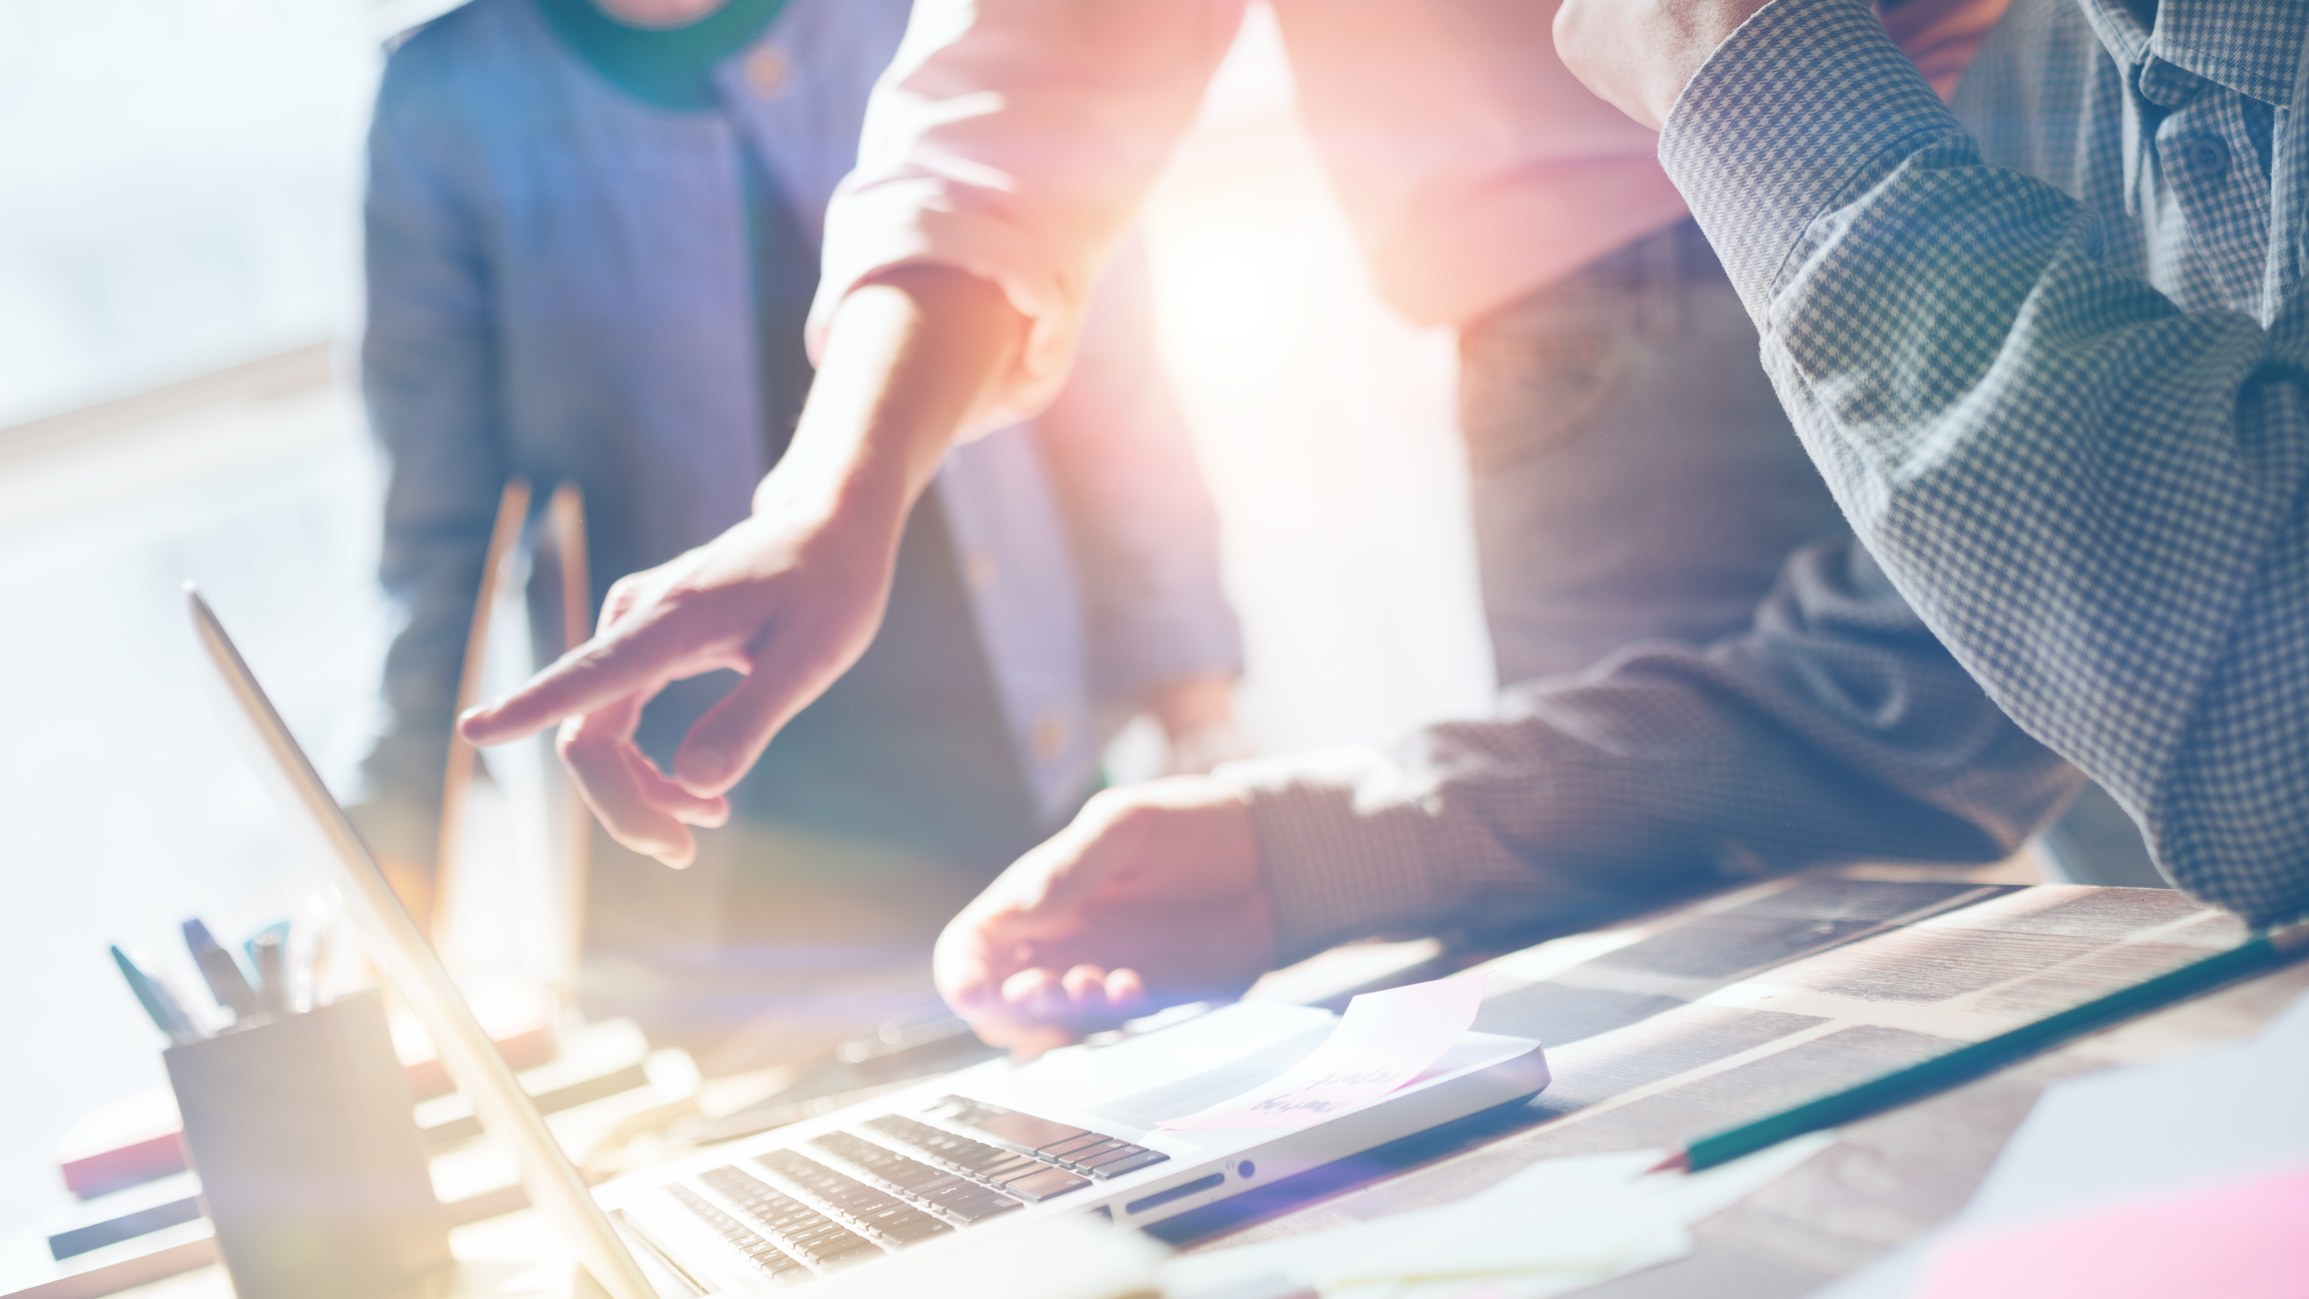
[907,360]
[1978,385]
[1837,730]
[1014,140]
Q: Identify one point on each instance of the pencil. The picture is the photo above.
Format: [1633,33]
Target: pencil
[2261,952]
[512,512]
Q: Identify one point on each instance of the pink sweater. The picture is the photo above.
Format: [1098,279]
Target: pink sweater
[1016,139]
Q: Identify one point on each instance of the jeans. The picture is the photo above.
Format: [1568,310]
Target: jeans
[1634,478]
[1633,475]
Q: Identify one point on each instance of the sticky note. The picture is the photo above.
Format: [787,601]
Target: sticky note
[2242,1239]
[1385,1040]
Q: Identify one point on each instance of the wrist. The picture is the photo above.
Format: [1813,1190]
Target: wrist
[836,483]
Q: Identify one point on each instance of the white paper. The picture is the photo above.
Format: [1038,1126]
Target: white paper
[2119,1134]
[1385,1039]
[1557,1226]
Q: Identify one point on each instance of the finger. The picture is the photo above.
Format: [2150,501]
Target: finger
[725,743]
[625,594]
[1100,999]
[609,774]
[1028,1016]
[1085,994]
[996,1021]
[1126,993]
[1036,996]
[636,659]
[591,738]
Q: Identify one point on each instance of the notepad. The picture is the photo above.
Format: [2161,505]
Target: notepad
[1385,1039]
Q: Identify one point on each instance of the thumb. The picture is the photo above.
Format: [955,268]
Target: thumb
[725,743]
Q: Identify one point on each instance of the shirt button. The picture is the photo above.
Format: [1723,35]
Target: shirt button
[1049,740]
[980,570]
[766,73]
[2208,155]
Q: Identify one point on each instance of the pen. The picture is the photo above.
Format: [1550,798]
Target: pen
[157,1000]
[1989,1054]
[268,956]
[223,973]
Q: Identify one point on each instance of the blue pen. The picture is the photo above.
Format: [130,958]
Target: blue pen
[157,1001]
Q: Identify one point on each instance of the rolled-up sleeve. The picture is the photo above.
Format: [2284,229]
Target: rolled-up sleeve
[2093,496]
[1014,140]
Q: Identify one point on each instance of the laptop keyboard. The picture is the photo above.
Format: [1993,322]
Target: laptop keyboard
[892,1219]
[959,1197]
[781,1267]
[789,1240]
[1076,1149]
[797,1228]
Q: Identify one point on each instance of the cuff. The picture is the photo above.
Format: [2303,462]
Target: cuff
[1338,848]
[912,222]
[1806,104]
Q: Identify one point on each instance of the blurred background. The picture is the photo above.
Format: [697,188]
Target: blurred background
[179,189]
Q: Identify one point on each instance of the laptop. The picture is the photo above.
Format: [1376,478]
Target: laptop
[910,1174]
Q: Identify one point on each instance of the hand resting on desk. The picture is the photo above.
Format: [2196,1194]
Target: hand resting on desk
[1151,897]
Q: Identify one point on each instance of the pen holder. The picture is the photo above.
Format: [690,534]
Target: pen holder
[311,1167]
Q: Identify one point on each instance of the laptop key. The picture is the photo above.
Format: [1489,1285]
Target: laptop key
[1022,1130]
[799,1229]
[988,1164]
[962,1152]
[1127,1164]
[879,1211]
[1061,1150]
[914,1179]
[1042,1185]
[1082,1157]
[782,1268]
[969,1201]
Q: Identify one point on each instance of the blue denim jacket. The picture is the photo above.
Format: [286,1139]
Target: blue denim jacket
[559,286]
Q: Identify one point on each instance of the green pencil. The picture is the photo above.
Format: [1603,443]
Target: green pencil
[2261,952]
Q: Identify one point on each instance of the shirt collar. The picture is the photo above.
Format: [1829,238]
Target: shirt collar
[2253,47]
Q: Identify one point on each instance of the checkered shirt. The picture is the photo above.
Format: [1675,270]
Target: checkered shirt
[2053,368]
[2060,398]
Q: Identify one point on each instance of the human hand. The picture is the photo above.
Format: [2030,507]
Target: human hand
[1638,55]
[791,596]
[1151,897]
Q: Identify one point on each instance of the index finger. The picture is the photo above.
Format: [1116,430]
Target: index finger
[603,670]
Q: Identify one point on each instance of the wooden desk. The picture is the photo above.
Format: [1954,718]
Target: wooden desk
[1886,1180]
